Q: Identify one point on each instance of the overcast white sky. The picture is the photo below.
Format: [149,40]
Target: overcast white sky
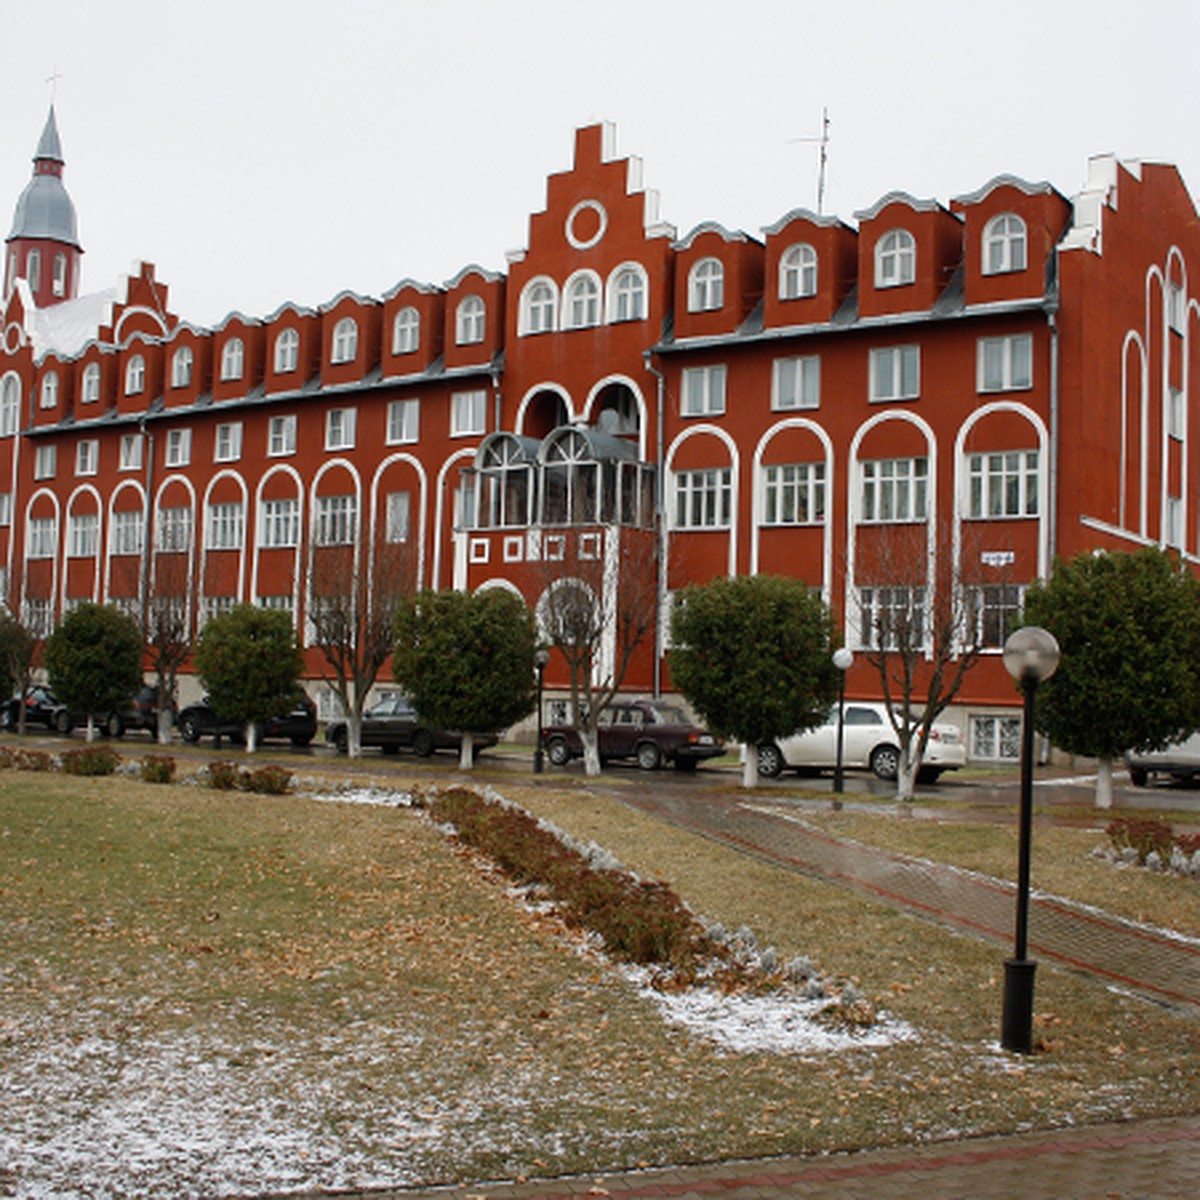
[261,151]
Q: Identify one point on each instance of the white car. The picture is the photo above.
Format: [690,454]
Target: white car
[1180,760]
[868,740]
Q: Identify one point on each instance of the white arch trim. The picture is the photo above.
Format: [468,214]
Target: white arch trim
[527,399]
[291,473]
[84,489]
[124,486]
[422,510]
[54,559]
[643,417]
[735,488]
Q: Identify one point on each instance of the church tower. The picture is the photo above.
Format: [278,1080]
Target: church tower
[43,247]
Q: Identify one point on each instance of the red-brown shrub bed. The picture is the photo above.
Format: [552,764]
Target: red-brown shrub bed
[1152,843]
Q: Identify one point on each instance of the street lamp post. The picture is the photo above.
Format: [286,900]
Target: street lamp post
[1030,655]
[842,658]
[541,656]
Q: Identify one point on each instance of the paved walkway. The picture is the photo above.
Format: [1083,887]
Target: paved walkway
[1151,1160]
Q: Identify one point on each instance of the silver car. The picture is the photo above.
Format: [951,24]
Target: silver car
[1180,760]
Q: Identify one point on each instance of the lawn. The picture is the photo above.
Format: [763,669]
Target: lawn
[212,993]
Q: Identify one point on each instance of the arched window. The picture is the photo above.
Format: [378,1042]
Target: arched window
[181,367]
[50,389]
[798,272]
[406,331]
[504,484]
[895,259]
[345,340]
[233,358]
[287,351]
[1004,245]
[91,383]
[60,274]
[135,375]
[570,487]
[470,321]
[10,406]
[582,302]
[706,285]
[33,269]
[540,303]
[628,295]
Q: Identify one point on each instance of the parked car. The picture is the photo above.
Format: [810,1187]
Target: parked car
[298,724]
[41,708]
[1180,760]
[394,724]
[649,731]
[868,741]
[140,713]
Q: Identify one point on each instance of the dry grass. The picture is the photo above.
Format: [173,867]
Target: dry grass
[354,972]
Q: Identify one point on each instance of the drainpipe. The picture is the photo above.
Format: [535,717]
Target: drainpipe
[147,519]
[1052,465]
[659,521]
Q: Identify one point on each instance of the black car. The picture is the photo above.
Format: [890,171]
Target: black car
[41,708]
[298,725]
[140,713]
[393,724]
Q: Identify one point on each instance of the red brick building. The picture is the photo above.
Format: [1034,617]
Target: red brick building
[973,388]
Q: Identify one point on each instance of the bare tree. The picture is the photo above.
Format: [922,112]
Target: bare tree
[599,605]
[352,614]
[167,631]
[925,622]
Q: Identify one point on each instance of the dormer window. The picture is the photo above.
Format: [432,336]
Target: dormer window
[181,367]
[582,302]
[233,358]
[345,340]
[91,383]
[1004,245]
[135,375]
[706,286]
[50,390]
[287,351]
[470,319]
[628,295]
[798,272]
[895,259]
[541,301]
[406,331]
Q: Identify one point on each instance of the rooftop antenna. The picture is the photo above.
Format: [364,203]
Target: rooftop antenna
[823,142]
[52,79]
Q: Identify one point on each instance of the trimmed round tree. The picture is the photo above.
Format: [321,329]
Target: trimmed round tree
[1128,625]
[250,665]
[466,660]
[94,659]
[754,656]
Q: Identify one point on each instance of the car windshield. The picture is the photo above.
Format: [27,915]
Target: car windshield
[668,714]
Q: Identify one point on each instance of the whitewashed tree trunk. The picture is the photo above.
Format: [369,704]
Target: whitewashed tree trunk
[749,765]
[591,751]
[251,737]
[906,774]
[354,735]
[166,721]
[466,752]
[90,735]
[1104,793]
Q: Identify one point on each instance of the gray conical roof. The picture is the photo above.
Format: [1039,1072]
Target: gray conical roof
[44,210]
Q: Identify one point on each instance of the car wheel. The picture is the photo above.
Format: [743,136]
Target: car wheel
[648,756]
[189,730]
[885,762]
[341,740]
[770,760]
[62,721]
[1139,776]
[114,726]
[558,752]
[422,743]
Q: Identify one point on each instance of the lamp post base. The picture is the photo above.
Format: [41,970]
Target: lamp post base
[1017,1027]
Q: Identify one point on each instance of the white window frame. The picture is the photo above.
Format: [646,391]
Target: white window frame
[281,436]
[340,428]
[582,299]
[10,406]
[33,269]
[173,529]
[468,413]
[279,523]
[130,452]
[470,321]
[6,518]
[397,517]
[798,272]
[702,498]
[908,601]
[1005,245]
[49,395]
[995,737]
[793,494]
[225,525]
[83,535]
[182,363]
[41,537]
[227,442]
[1176,413]
[894,490]
[1003,484]
[128,531]
[895,259]
[706,285]
[287,351]
[45,461]
[627,294]
[406,331]
[135,375]
[796,382]
[703,391]
[895,373]
[233,359]
[344,347]
[403,421]
[539,306]
[90,384]
[1005,364]
[59,286]
[991,611]
[87,456]
[178,450]
[335,521]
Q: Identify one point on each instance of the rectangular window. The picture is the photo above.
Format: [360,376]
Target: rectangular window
[997,738]
[402,421]
[703,499]
[228,445]
[45,462]
[397,516]
[1173,522]
[128,532]
[896,373]
[87,457]
[1176,413]
[1005,364]
[339,428]
[279,523]
[39,616]
[130,458]
[1175,307]
[468,413]
[83,535]
[796,383]
[895,489]
[891,618]
[703,391]
[6,512]
[336,520]
[281,436]
[1004,484]
[992,610]
[42,541]
[174,529]
[225,526]
[794,494]
[285,604]
[179,447]
[215,606]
